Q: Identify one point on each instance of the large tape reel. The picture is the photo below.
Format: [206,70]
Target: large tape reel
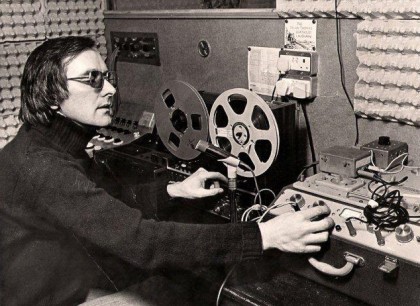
[181,119]
[244,125]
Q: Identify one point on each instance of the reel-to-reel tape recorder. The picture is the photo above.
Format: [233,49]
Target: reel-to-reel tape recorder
[259,133]
[240,122]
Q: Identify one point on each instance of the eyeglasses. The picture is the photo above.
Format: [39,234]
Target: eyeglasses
[96,78]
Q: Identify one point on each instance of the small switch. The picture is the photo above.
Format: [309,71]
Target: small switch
[379,238]
[350,227]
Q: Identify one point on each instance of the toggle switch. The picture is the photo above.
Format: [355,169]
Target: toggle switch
[379,238]
[350,227]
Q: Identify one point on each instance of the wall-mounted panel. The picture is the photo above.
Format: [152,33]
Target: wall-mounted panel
[331,117]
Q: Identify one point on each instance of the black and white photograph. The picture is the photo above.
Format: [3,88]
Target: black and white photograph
[209,152]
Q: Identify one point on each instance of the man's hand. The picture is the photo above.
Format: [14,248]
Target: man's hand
[193,187]
[295,232]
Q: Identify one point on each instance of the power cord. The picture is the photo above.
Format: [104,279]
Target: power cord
[342,74]
[255,181]
[301,174]
[219,294]
[310,139]
[377,189]
[256,207]
[278,205]
[384,210]
[389,213]
[404,156]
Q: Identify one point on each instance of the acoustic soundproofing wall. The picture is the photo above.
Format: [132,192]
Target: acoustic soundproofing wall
[24,24]
[306,8]
[79,18]
[389,70]
[388,49]
[402,9]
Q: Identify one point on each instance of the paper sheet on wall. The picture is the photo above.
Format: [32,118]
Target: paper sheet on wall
[300,34]
[262,69]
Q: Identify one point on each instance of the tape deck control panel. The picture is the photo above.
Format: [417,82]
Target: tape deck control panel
[374,247]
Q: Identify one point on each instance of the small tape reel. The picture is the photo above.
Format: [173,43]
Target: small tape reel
[243,124]
[181,119]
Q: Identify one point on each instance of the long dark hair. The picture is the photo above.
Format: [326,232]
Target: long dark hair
[44,82]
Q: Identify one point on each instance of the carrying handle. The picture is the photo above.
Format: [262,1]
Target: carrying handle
[351,259]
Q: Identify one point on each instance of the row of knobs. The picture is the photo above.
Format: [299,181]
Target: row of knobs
[403,233]
[108,139]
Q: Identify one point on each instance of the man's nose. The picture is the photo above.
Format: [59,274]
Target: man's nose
[108,88]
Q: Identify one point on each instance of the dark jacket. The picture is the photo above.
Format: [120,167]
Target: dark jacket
[51,214]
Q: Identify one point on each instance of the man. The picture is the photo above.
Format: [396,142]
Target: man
[52,215]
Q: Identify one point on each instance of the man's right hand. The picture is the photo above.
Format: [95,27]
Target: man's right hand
[295,232]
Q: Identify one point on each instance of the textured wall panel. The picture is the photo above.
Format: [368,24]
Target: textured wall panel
[306,8]
[79,18]
[389,71]
[9,126]
[399,9]
[13,56]
[21,20]
[24,24]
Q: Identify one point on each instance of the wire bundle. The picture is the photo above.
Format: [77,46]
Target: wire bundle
[403,157]
[389,213]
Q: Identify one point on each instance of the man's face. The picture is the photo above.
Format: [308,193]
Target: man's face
[86,104]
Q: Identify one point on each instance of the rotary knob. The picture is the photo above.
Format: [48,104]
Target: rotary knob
[404,233]
[384,141]
[298,199]
[319,203]
[204,48]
